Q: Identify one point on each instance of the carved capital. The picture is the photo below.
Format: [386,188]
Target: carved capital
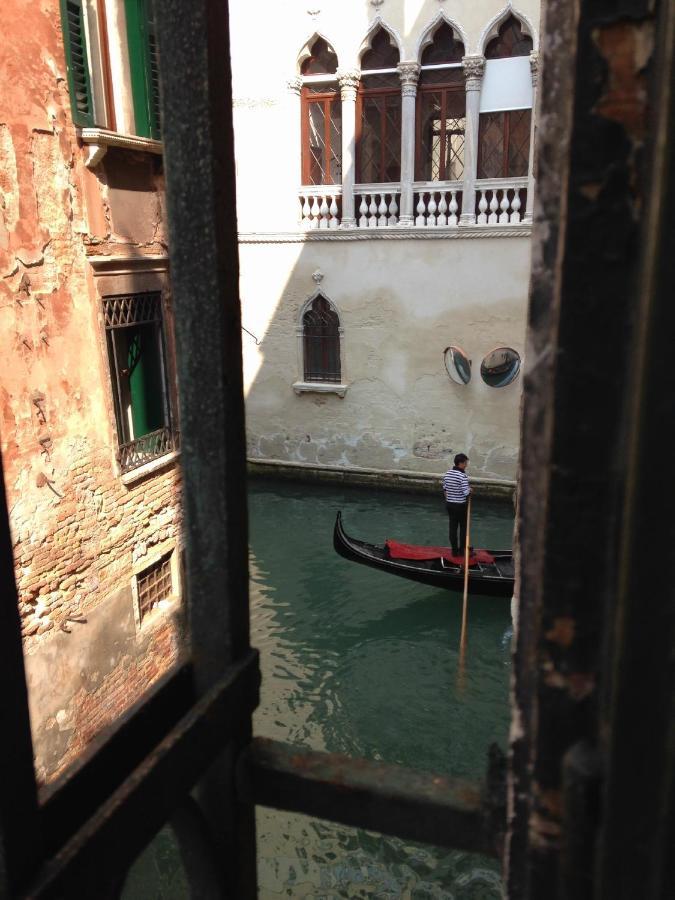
[294,84]
[474,68]
[409,73]
[534,66]
[348,79]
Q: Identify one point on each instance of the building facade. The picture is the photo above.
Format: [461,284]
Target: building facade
[88,418]
[384,194]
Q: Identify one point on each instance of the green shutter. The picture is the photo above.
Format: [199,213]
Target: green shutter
[145,380]
[77,62]
[144,69]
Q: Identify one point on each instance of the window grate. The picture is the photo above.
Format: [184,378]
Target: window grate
[132,309]
[154,584]
[144,449]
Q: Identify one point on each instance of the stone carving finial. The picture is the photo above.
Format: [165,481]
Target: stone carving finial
[376,3]
[317,276]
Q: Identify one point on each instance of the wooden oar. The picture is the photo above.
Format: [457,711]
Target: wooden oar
[462,638]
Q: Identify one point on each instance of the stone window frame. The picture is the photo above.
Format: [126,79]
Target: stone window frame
[300,386]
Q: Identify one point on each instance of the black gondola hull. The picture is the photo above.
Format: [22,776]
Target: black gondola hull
[494,581]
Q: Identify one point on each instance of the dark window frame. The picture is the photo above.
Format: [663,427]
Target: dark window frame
[385,94]
[327,98]
[321,342]
[506,144]
[423,159]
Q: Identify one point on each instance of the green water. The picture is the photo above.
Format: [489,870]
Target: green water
[360,662]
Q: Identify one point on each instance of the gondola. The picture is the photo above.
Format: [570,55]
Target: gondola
[490,571]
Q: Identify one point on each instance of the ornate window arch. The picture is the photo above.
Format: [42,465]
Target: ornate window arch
[320,345]
[378,111]
[321,114]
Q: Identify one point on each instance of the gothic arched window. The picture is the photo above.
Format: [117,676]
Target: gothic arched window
[504,135]
[378,114]
[321,342]
[441,109]
[321,117]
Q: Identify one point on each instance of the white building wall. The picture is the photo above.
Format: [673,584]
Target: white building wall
[402,297]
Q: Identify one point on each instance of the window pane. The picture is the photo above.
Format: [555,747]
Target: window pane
[392,144]
[321,340]
[317,143]
[491,145]
[369,151]
[519,142]
[335,141]
[440,154]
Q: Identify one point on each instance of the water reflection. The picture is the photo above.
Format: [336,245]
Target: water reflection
[359,662]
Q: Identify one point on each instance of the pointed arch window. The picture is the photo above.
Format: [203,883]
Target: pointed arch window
[378,113]
[321,342]
[504,134]
[441,109]
[321,117]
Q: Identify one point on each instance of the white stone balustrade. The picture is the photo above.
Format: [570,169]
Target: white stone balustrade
[320,207]
[377,206]
[500,201]
[437,206]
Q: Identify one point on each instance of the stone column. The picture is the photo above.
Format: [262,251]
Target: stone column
[409,73]
[474,66]
[534,69]
[294,157]
[349,83]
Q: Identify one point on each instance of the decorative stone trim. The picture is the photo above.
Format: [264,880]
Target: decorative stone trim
[409,73]
[319,387]
[348,80]
[474,69]
[294,84]
[125,265]
[395,233]
[534,67]
[99,139]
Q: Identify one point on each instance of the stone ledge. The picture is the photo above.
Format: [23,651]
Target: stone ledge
[320,387]
[149,468]
[393,233]
[392,479]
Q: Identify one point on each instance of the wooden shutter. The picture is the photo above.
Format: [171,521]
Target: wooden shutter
[144,67]
[77,62]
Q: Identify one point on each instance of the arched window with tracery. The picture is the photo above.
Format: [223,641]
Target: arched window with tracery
[504,134]
[378,113]
[321,116]
[441,109]
[321,342]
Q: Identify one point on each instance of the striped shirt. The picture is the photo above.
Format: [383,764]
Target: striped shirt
[455,486]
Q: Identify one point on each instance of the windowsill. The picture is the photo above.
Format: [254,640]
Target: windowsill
[149,468]
[99,139]
[320,387]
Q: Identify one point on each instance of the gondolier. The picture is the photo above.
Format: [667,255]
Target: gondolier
[457,491]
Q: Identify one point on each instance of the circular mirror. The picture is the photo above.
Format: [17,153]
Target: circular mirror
[458,365]
[500,367]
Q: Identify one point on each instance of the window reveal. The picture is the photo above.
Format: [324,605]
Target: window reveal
[321,342]
[138,369]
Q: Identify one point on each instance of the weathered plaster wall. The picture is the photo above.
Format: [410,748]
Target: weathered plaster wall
[78,530]
[401,303]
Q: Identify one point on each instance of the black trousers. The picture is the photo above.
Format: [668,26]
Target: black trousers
[457,520]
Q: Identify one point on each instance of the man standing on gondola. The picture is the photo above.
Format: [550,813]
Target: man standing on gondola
[457,491]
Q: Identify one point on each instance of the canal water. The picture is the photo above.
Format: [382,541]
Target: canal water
[360,662]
